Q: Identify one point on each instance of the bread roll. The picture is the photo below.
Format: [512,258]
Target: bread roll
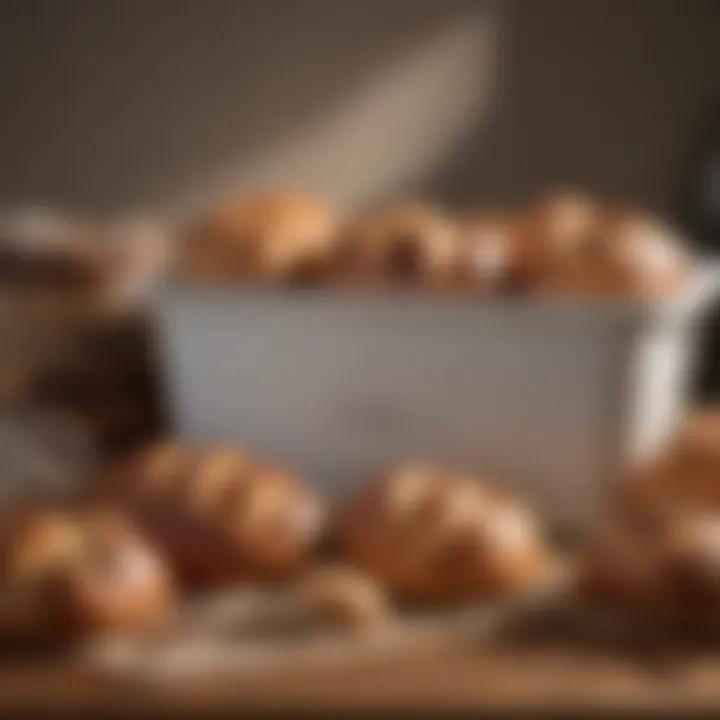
[685,473]
[662,568]
[691,568]
[407,243]
[219,515]
[264,237]
[432,536]
[568,244]
[67,575]
[621,566]
[556,241]
[639,257]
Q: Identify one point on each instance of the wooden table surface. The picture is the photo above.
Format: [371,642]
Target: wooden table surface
[548,677]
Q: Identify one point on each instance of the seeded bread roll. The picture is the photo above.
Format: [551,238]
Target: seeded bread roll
[270,237]
[407,243]
[432,536]
[68,575]
[218,515]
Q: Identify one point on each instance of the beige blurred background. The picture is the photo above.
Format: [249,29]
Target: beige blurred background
[154,104]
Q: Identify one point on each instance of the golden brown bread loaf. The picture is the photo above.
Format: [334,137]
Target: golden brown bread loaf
[432,536]
[218,515]
[406,243]
[664,567]
[568,244]
[67,575]
[639,257]
[685,474]
[659,549]
[621,566]
[556,239]
[260,237]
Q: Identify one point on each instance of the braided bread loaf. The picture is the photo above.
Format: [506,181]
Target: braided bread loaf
[218,515]
[433,536]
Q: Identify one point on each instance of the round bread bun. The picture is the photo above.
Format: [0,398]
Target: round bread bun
[686,473]
[405,243]
[218,515]
[68,575]
[342,596]
[260,237]
[556,242]
[639,257]
[621,566]
[488,252]
[432,536]
[667,569]
[691,568]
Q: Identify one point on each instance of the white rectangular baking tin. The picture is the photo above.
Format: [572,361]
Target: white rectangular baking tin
[549,397]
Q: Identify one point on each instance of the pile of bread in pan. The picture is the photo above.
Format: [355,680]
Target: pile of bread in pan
[565,243]
[172,519]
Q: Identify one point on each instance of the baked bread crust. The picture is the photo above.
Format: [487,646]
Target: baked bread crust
[218,515]
[264,237]
[66,575]
[403,244]
[433,536]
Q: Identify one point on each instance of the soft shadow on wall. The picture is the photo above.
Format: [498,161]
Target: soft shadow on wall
[608,95]
[126,103]
[156,104]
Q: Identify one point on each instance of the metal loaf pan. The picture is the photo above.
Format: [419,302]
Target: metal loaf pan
[550,397]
